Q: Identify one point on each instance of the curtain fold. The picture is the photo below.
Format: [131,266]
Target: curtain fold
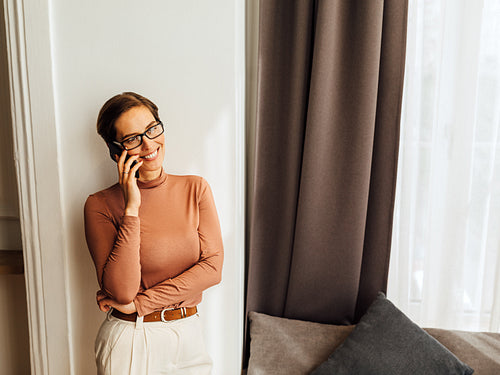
[330,77]
[283,73]
[377,244]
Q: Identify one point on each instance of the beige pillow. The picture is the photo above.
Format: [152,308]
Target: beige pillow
[290,347]
[480,350]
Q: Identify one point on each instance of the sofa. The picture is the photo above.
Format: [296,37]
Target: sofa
[384,341]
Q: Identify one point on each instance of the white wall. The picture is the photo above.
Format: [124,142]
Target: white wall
[187,57]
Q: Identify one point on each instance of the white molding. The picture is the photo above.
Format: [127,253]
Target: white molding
[240,181]
[37,170]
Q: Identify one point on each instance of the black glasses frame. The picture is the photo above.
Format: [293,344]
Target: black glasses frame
[141,136]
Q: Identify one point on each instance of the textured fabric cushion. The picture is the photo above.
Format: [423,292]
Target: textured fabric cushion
[291,347]
[480,350]
[386,342]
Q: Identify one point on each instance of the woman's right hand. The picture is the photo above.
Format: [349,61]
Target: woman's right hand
[105,304]
[128,183]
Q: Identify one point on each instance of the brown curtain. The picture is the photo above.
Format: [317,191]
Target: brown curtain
[330,78]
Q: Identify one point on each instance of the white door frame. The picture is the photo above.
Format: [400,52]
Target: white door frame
[38,170]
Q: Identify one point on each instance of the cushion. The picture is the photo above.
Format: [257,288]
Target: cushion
[386,342]
[291,347]
[480,350]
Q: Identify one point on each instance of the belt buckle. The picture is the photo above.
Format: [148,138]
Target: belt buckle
[162,316]
[183,313]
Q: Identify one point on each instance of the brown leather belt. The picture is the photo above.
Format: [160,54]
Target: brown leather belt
[158,316]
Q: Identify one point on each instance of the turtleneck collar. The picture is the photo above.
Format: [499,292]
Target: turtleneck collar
[161,179]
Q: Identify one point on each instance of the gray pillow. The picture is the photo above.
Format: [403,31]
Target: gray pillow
[386,342]
[290,347]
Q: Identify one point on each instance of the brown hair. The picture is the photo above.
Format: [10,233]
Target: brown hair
[115,107]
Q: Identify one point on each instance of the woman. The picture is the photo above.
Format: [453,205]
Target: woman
[156,244]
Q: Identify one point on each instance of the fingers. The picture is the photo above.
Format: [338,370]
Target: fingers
[135,168]
[121,159]
[105,304]
[121,162]
[100,295]
[124,163]
[125,168]
[128,164]
[128,176]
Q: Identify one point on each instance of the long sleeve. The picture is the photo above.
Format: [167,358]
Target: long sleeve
[189,285]
[114,247]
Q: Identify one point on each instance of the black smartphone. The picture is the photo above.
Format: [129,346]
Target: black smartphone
[114,150]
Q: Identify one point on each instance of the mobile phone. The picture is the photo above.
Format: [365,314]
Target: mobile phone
[114,150]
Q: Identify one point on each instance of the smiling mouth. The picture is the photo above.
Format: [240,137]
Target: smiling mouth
[151,155]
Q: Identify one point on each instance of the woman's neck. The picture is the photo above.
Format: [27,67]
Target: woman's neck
[146,176]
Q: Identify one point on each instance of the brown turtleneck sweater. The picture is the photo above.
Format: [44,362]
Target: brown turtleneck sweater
[168,255]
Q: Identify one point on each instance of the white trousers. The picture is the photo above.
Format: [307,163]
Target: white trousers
[138,348]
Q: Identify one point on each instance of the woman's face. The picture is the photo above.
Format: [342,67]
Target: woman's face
[152,151]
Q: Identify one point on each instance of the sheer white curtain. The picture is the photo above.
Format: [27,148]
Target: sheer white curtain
[445,260]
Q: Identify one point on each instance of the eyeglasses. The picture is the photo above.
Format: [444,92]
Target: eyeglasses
[136,140]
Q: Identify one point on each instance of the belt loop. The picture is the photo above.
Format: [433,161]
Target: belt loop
[108,314]
[139,321]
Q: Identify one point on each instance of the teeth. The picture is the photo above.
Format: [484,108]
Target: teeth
[151,156]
